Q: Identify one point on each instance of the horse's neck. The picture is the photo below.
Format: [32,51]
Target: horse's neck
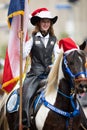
[64,87]
[63,92]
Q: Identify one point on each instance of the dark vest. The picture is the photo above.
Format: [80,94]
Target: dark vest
[41,57]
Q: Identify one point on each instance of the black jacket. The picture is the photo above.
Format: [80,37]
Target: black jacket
[41,57]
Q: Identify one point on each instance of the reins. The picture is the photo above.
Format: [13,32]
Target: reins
[80,79]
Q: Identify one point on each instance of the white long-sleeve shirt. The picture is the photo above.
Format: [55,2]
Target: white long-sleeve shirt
[28,46]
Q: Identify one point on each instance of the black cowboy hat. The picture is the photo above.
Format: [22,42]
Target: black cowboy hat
[40,14]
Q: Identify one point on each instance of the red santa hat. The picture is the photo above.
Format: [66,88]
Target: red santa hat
[68,45]
[40,14]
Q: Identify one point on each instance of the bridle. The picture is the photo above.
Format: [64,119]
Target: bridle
[75,76]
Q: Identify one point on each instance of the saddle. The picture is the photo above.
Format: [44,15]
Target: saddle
[13,101]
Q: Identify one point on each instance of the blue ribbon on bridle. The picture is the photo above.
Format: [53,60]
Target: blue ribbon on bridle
[58,111]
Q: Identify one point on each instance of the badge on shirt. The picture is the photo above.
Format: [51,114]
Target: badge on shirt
[37,42]
[52,42]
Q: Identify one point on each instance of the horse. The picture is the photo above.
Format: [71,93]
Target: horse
[56,106]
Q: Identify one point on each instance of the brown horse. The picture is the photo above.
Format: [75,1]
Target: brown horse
[59,108]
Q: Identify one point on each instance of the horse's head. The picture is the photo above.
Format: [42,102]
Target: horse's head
[75,70]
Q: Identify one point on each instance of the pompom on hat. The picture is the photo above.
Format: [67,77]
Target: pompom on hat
[40,14]
[68,45]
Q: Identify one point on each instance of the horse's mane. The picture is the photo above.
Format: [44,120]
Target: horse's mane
[3,100]
[53,76]
[2,107]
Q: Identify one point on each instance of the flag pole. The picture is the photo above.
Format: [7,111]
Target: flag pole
[21,35]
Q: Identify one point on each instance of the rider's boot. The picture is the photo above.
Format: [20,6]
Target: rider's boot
[25,119]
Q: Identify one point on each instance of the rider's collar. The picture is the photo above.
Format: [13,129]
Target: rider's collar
[40,35]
